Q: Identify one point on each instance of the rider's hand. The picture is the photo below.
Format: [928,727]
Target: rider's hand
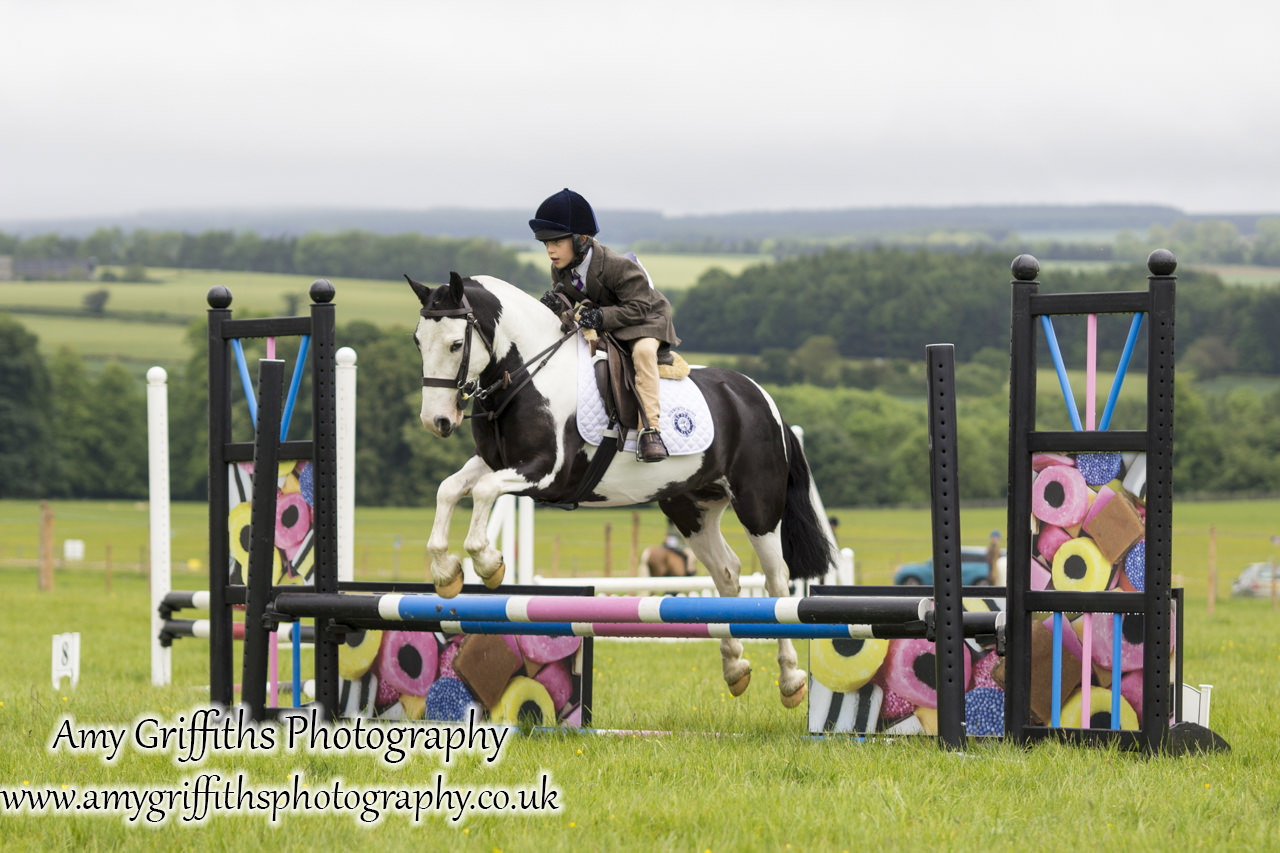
[592,318]
[552,301]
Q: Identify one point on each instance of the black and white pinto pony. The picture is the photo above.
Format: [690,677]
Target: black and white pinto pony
[484,341]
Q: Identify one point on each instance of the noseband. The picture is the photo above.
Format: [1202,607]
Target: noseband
[469,389]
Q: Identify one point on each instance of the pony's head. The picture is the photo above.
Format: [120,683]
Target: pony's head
[455,349]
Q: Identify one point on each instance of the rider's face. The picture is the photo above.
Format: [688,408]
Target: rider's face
[560,252]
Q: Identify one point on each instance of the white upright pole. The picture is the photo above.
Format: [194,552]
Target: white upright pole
[524,555]
[509,531]
[499,531]
[497,519]
[845,574]
[345,401]
[158,460]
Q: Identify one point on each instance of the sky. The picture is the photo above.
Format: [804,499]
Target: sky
[689,107]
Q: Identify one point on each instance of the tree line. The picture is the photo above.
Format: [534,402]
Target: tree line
[890,303]
[350,253]
[1209,241]
[71,432]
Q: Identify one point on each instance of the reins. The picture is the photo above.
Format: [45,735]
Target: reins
[470,389]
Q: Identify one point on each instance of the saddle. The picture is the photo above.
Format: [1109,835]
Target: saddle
[615,372]
[616,377]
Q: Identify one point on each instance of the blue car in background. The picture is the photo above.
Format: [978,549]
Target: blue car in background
[973,569]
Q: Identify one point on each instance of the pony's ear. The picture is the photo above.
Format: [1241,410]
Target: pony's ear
[420,289]
[455,287]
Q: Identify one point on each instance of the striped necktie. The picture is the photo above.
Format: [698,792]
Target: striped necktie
[577,282]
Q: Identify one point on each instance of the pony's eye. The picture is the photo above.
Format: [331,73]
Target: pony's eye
[457,345]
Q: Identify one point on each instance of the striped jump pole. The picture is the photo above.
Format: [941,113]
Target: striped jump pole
[843,610]
[181,599]
[981,624]
[200,628]
[691,622]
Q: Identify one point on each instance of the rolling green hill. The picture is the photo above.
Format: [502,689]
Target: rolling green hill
[146,324]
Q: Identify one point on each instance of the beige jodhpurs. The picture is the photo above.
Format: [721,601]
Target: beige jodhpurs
[644,354]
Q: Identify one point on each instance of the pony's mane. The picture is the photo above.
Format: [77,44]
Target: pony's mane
[497,286]
[509,300]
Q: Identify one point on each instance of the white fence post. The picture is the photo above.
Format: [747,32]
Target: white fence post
[345,402]
[158,502]
[524,548]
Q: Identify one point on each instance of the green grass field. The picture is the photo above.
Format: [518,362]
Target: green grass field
[740,774]
[880,538]
[135,345]
[1244,274]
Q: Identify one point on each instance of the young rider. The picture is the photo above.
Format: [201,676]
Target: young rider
[620,298]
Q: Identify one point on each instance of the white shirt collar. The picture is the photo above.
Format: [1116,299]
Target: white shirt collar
[581,269]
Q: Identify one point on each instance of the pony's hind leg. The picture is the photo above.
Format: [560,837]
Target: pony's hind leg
[792,680]
[700,524]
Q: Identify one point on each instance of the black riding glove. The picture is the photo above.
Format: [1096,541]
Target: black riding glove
[552,301]
[591,318]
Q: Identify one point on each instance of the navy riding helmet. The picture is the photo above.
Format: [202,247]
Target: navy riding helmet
[562,215]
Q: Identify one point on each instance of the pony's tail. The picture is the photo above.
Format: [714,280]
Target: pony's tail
[808,545]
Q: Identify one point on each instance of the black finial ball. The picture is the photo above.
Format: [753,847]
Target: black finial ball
[219,297]
[1025,268]
[322,291]
[1162,262]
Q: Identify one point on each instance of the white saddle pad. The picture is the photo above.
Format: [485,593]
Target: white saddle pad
[685,421]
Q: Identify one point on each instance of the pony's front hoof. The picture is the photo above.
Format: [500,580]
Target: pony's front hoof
[795,698]
[495,580]
[740,686]
[450,589]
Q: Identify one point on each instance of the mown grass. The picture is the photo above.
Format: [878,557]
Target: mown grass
[739,774]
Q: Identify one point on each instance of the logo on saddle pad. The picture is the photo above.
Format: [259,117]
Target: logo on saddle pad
[683,420]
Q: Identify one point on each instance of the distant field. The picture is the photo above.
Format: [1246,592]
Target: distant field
[1070,235]
[1263,385]
[676,272]
[1244,275]
[180,295]
[135,345]
[1049,268]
